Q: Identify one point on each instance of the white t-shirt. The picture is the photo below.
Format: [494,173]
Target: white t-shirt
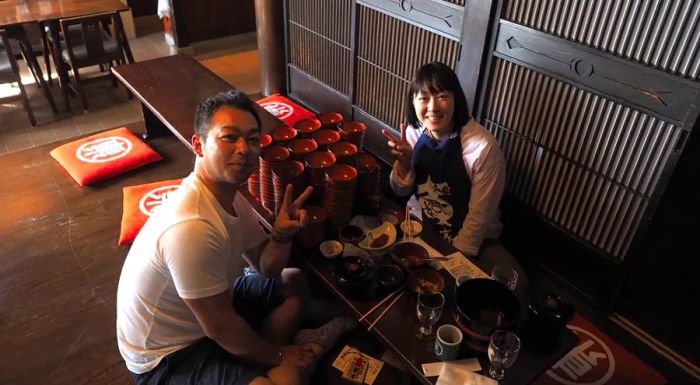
[191,248]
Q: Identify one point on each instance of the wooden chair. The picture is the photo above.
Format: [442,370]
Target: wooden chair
[9,73]
[86,44]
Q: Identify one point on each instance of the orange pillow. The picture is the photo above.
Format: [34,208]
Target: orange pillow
[285,109]
[104,155]
[140,202]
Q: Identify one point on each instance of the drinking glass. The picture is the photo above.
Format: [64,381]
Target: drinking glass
[503,350]
[505,275]
[429,310]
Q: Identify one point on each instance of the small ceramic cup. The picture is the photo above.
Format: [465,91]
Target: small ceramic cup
[447,340]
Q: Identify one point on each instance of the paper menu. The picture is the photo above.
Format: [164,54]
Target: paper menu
[346,356]
[459,265]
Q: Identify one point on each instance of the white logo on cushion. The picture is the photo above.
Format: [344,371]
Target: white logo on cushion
[103,149]
[151,201]
[280,110]
[589,363]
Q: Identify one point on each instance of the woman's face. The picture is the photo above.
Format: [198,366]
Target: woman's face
[435,112]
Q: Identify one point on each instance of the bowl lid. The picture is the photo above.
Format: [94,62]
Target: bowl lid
[284,133]
[307,126]
[329,117]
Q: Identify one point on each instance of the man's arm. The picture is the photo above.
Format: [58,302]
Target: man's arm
[271,257]
[222,324]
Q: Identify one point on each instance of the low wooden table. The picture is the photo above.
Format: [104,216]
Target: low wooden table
[60,266]
[171,88]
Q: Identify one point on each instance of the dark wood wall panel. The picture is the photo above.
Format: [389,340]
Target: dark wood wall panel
[662,34]
[328,18]
[389,52]
[586,163]
[321,58]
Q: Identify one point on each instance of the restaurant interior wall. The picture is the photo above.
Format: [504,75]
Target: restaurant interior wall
[588,162]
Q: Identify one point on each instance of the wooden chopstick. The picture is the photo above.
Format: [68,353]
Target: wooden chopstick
[385,310]
[380,303]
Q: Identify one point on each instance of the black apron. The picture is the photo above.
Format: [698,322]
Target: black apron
[442,184]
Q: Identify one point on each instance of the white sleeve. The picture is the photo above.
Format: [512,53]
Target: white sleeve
[404,186]
[488,178]
[194,255]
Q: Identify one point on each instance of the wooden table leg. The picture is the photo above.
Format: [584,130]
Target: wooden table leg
[61,69]
[28,53]
[125,39]
[154,127]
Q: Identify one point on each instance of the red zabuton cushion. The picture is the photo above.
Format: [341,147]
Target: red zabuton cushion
[285,109]
[104,155]
[140,202]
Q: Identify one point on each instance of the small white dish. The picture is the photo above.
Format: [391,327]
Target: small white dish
[380,238]
[416,227]
[330,248]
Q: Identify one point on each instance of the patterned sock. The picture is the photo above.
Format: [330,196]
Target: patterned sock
[326,335]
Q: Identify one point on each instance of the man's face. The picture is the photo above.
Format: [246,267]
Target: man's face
[230,151]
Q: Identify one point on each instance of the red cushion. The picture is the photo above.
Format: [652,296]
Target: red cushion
[104,155]
[285,109]
[140,202]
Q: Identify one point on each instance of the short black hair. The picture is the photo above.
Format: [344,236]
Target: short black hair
[207,108]
[433,78]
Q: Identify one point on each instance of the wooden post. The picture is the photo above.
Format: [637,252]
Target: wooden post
[270,27]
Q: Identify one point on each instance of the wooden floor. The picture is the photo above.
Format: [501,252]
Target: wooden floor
[235,59]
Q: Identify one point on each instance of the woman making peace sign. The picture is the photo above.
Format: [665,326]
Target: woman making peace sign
[453,166]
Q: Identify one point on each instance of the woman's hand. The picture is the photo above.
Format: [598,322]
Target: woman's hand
[401,150]
[291,217]
[297,355]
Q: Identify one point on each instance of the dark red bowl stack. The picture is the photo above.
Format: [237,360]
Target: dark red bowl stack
[254,178]
[345,153]
[300,148]
[341,182]
[330,120]
[314,233]
[307,127]
[289,172]
[283,135]
[367,174]
[353,132]
[325,138]
[316,164]
[270,156]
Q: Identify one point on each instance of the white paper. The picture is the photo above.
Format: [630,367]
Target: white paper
[454,374]
[435,368]
[459,265]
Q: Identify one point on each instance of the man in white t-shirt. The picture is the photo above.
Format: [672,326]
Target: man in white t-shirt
[186,313]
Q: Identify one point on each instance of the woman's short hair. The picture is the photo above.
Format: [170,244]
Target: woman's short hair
[207,108]
[433,78]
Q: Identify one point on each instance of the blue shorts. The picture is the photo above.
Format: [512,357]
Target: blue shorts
[204,362]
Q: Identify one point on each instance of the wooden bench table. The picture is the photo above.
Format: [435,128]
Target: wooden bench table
[60,266]
[171,88]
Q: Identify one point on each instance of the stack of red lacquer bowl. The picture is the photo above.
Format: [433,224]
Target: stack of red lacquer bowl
[270,156]
[315,232]
[254,178]
[289,172]
[353,132]
[341,182]
[316,164]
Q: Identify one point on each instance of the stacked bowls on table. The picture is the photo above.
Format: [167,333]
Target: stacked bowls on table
[325,138]
[254,178]
[345,153]
[353,132]
[307,127]
[300,148]
[282,135]
[316,164]
[330,120]
[368,200]
[284,173]
[270,156]
[341,182]
[314,233]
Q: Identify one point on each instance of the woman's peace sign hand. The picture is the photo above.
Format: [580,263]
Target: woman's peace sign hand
[400,149]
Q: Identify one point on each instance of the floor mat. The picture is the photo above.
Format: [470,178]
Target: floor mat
[598,360]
